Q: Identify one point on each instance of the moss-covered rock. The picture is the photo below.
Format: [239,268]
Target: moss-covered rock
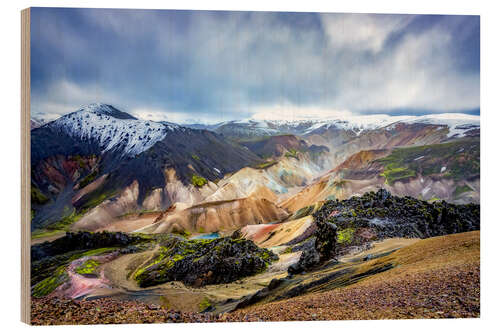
[345,236]
[202,262]
[392,216]
[340,225]
[49,284]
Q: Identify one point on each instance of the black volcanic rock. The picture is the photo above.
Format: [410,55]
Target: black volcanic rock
[309,258]
[378,215]
[320,249]
[82,241]
[392,216]
[202,262]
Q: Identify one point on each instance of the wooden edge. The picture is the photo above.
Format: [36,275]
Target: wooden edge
[25,168]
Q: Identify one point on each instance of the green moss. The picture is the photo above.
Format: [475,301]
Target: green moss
[264,255]
[292,153]
[304,211]
[183,233]
[55,266]
[175,255]
[40,233]
[195,157]
[95,199]
[393,174]
[88,267]
[64,223]
[37,197]
[461,159]
[48,285]
[163,253]
[54,277]
[265,165]
[205,304]
[434,199]
[461,189]
[198,181]
[178,257]
[88,179]
[96,252]
[345,236]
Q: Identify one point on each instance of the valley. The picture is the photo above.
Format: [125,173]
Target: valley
[231,221]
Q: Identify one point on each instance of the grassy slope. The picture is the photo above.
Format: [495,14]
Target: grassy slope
[461,159]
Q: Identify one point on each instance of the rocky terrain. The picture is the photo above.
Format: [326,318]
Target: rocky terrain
[201,262]
[254,219]
[440,284]
[47,311]
[316,259]
[99,163]
[433,278]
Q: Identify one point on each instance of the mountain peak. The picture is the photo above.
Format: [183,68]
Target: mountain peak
[105,109]
[112,129]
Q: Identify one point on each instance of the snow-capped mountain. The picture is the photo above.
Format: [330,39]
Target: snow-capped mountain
[457,124]
[98,153]
[112,129]
[108,150]
[35,122]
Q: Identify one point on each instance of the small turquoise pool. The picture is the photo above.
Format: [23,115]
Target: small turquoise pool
[212,235]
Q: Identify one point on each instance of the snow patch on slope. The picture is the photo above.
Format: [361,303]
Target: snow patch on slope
[98,122]
[457,123]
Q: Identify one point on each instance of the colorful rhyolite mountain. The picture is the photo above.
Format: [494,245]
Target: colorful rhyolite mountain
[255,211]
[95,168]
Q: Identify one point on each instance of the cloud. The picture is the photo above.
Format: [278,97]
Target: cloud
[362,32]
[292,112]
[418,73]
[61,97]
[176,117]
[203,65]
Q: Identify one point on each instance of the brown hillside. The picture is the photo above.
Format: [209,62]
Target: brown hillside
[433,278]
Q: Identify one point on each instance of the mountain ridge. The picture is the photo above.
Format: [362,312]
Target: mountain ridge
[97,153]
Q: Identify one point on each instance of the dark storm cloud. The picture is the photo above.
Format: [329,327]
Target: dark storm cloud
[200,66]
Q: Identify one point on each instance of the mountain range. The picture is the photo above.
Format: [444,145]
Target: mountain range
[100,168]
[130,213]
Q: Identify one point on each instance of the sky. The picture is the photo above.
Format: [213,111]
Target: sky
[212,66]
